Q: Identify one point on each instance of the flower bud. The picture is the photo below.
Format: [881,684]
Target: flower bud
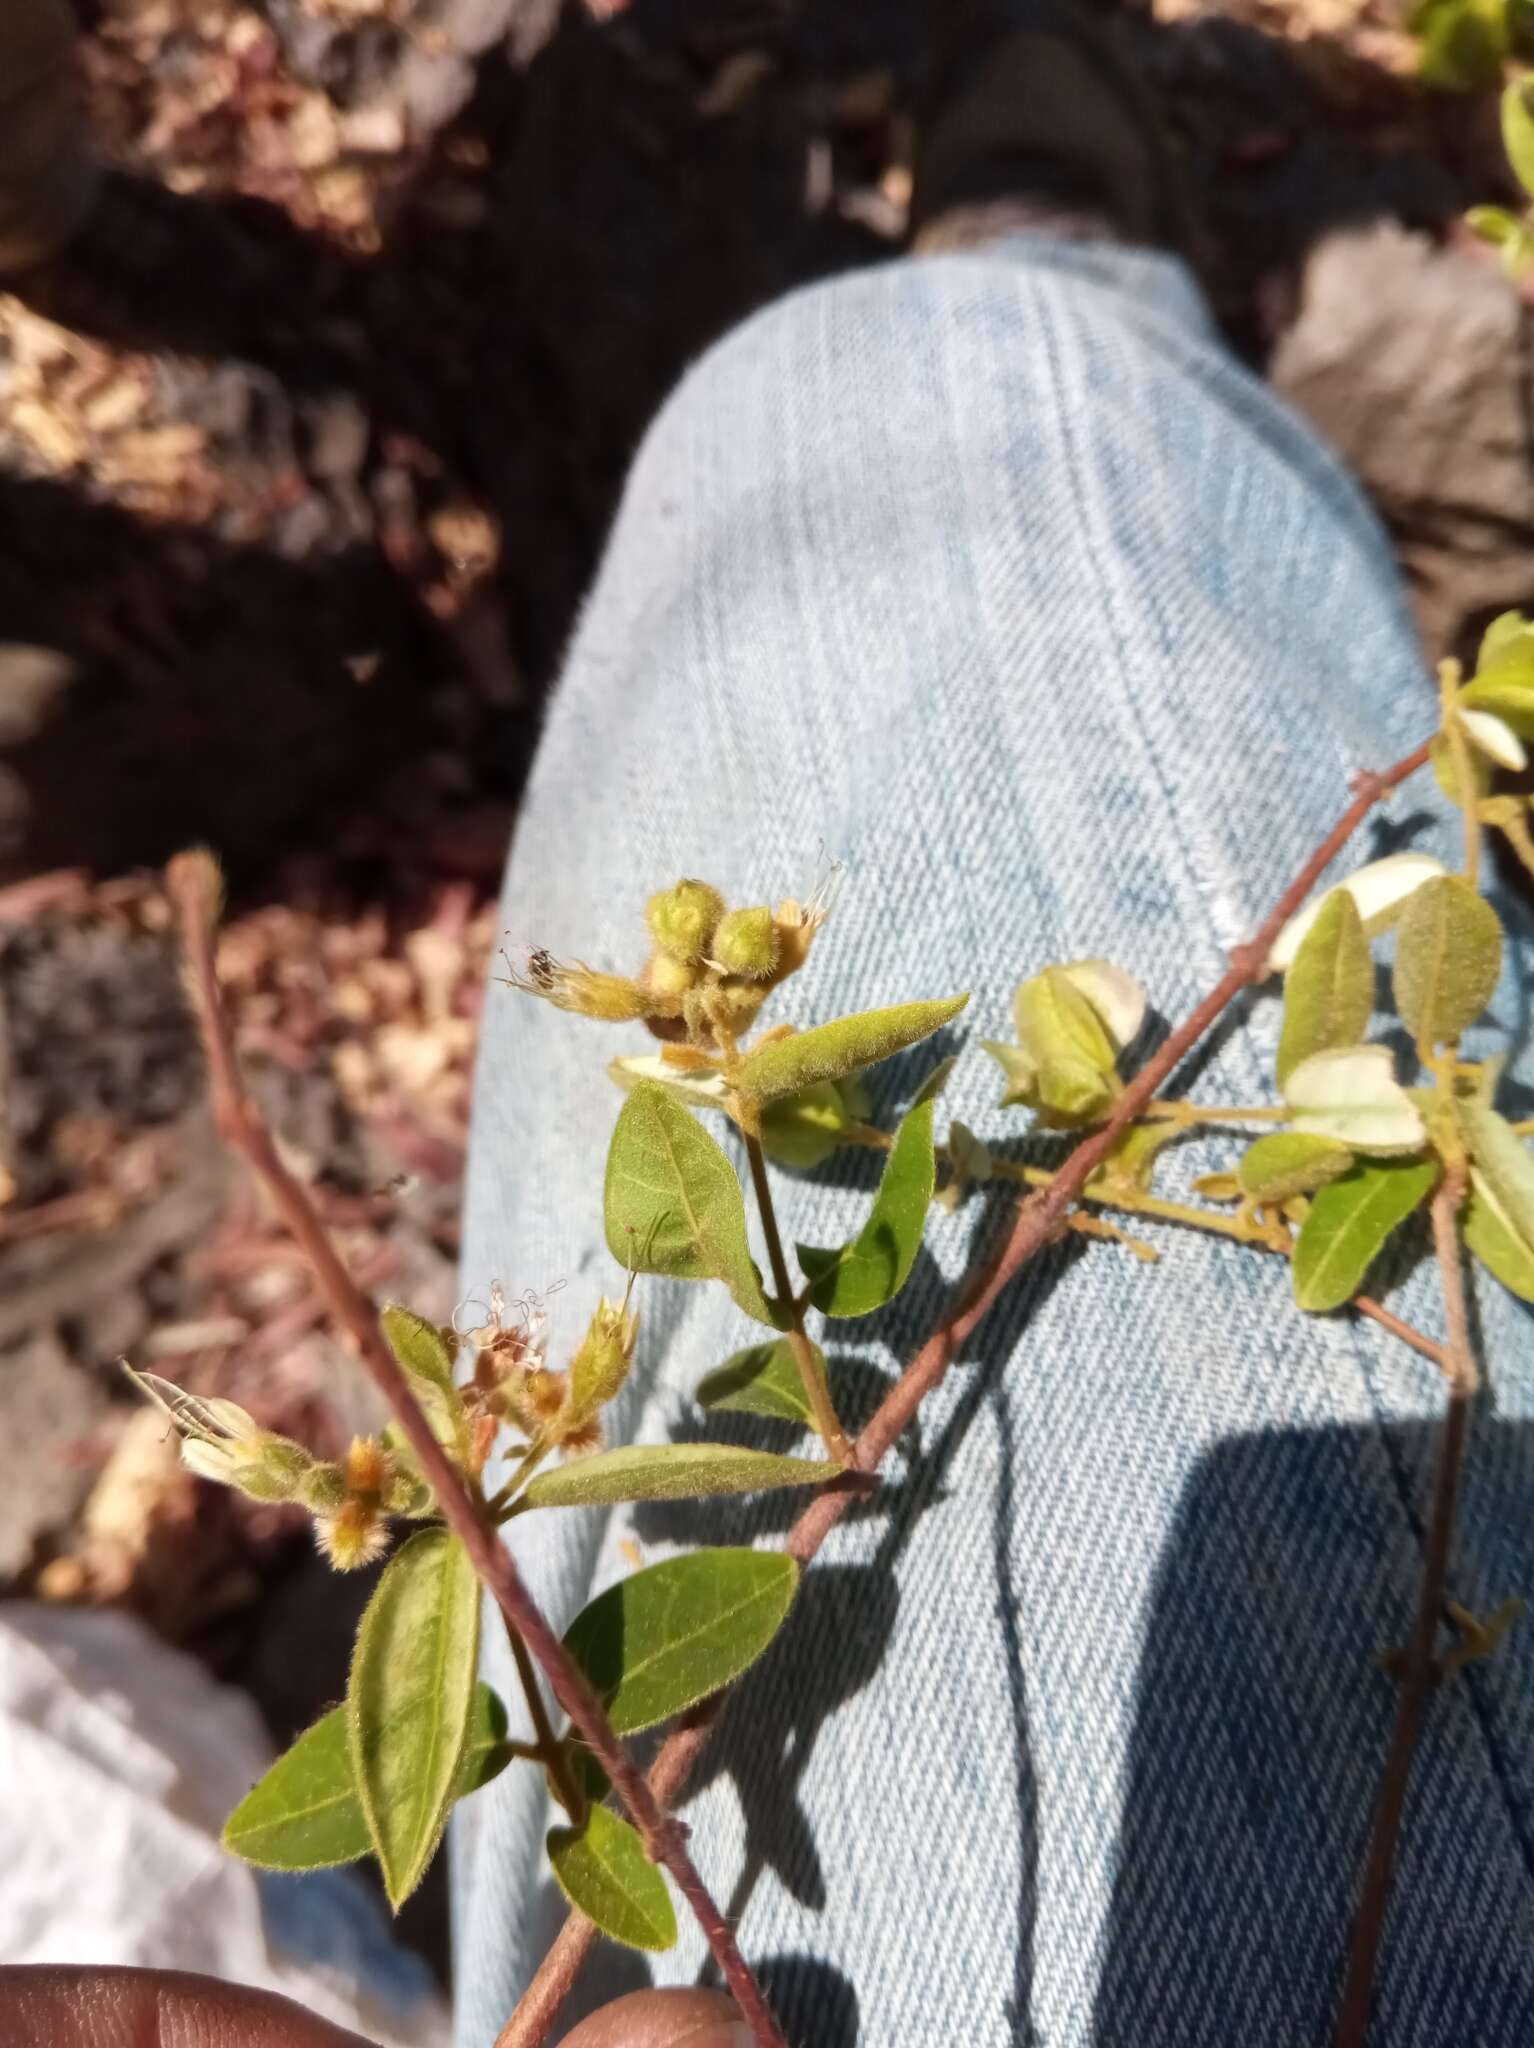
[600,1367]
[323,1488]
[355,1535]
[682,919]
[747,943]
[670,979]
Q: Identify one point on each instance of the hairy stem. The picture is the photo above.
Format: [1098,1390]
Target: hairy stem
[1038,1222]
[547,1747]
[192,883]
[1421,1670]
[817,1393]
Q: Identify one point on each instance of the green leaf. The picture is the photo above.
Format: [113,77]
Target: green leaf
[422,1353]
[1351,1094]
[1493,224]
[1464,45]
[673,1204]
[1518,131]
[876,1265]
[305,1814]
[1131,1162]
[603,1870]
[657,1643]
[1494,1241]
[1448,958]
[707,1090]
[1446,769]
[936,1081]
[1064,1041]
[805,1129]
[1349,1222]
[1502,1163]
[1507,627]
[407,1705]
[1290,1163]
[668,1472]
[764,1380]
[844,1047]
[1329,990]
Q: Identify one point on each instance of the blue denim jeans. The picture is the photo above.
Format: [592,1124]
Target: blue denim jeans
[994,576]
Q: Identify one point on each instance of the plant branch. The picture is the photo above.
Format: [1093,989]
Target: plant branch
[1421,1672]
[192,883]
[817,1393]
[548,1748]
[1038,1221]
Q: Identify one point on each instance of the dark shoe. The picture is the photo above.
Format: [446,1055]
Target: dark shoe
[1036,123]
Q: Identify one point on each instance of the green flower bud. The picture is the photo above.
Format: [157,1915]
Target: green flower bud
[746,943]
[668,978]
[323,1488]
[682,919]
[600,1367]
[275,1472]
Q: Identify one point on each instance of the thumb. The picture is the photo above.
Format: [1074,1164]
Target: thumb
[664,2019]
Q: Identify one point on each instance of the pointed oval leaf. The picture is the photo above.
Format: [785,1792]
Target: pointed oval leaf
[1495,738]
[707,1090]
[805,1129]
[1493,224]
[1329,990]
[657,1643]
[1488,1233]
[422,1352]
[1131,1162]
[1448,958]
[305,1814]
[764,1380]
[1505,691]
[1114,994]
[1352,1095]
[1381,889]
[846,1046]
[1022,1074]
[672,1202]
[1502,1161]
[1290,1163]
[408,1701]
[1057,1023]
[873,1268]
[669,1472]
[1348,1224]
[603,1870]
[1518,131]
[1507,628]
[933,1086]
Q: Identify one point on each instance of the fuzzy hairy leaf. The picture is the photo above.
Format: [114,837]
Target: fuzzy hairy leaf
[872,1269]
[1131,1161]
[1518,131]
[672,1202]
[1488,1233]
[1351,1094]
[1348,1224]
[602,1868]
[805,1129]
[846,1046]
[1503,1166]
[669,1472]
[422,1352]
[1448,958]
[764,1380]
[305,1814]
[1289,1163]
[408,1701]
[1381,889]
[1329,990]
[657,1643]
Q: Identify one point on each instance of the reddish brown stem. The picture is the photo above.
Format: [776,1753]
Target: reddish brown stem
[192,883]
[1420,1674]
[1039,1220]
